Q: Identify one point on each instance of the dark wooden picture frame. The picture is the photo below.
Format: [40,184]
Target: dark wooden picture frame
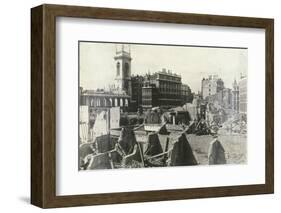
[43,105]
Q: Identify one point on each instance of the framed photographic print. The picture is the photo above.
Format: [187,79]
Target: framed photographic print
[135,106]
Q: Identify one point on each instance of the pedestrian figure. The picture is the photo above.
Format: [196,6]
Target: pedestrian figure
[216,153]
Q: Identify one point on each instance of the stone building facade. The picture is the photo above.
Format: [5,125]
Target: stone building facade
[186,94]
[243,95]
[235,96]
[211,85]
[169,88]
[227,98]
[137,85]
[164,89]
[104,99]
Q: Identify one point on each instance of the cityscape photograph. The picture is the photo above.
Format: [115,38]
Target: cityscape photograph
[159,105]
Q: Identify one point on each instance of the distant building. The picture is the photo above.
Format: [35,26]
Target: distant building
[211,85]
[169,88]
[101,99]
[164,87]
[227,98]
[149,95]
[235,96]
[222,98]
[243,95]
[216,98]
[186,94]
[137,84]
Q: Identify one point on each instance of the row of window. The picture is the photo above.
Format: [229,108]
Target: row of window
[147,92]
[126,70]
[167,77]
[98,102]
[147,102]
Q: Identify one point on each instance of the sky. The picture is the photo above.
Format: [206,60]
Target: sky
[97,65]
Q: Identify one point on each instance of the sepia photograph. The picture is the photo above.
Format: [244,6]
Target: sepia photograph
[161,105]
[133,106]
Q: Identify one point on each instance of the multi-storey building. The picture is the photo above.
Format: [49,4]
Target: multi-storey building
[211,85]
[169,88]
[104,99]
[186,94]
[235,96]
[227,98]
[164,87]
[137,84]
[149,95]
[243,95]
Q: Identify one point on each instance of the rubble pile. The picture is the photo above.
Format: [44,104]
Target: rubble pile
[160,140]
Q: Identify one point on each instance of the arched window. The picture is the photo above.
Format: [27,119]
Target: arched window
[92,102]
[104,102]
[116,102]
[110,101]
[118,68]
[126,102]
[98,102]
[126,71]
